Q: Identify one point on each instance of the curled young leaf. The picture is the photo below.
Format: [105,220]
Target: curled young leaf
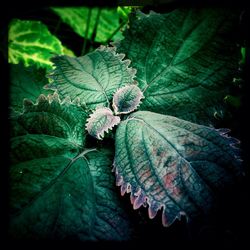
[100,121]
[175,164]
[127,99]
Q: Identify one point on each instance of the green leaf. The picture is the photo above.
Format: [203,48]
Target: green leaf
[127,99]
[76,18]
[124,12]
[68,52]
[32,43]
[58,190]
[26,82]
[185,60]
[92,78]
[52,119]
[175,164]
[100,121]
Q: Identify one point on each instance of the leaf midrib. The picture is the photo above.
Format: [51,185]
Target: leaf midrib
[183,158]
[175,55]
[204,138]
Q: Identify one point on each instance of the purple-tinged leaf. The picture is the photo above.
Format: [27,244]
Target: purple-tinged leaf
[173,164]
[127,99]
[100,121]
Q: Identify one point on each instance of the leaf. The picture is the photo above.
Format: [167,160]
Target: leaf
[50,117]
[100,121]
[124,12]
[76,18]
[58,190]
[92,78]
[26,82]
[185,60]
[32,43]
[172,163]
[68,52]
[127,99]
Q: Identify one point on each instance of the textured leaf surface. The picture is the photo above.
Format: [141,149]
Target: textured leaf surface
[100,121]
[127,99]
[52,119]
[32,43]
[26,82]
[184,59]
[57,190]
[76,17]
[171,163]
[92,78]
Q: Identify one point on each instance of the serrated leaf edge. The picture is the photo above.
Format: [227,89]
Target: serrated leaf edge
[112,49]
[132,109]
[139,198]
[91,118]
[121,57]
[50,99]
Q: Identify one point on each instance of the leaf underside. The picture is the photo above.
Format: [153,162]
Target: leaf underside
[58,190]
[31,42]
[185,60]
[92,78]
[100,121]
[173,164]
[127,99]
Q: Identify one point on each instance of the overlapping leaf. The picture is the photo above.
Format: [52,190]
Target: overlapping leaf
[50,119]
[58,190]
[26,82]
[92,78]
[76,17]
[185,60]
[31,42]
[127,99]
[173,164]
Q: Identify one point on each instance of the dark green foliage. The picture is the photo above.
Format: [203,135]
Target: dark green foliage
[26,82]
[58,189]
[184,59]
[178,65]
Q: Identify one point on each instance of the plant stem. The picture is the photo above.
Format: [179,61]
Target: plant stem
[86,151]
[95,27]
[86,32]
[113,34]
